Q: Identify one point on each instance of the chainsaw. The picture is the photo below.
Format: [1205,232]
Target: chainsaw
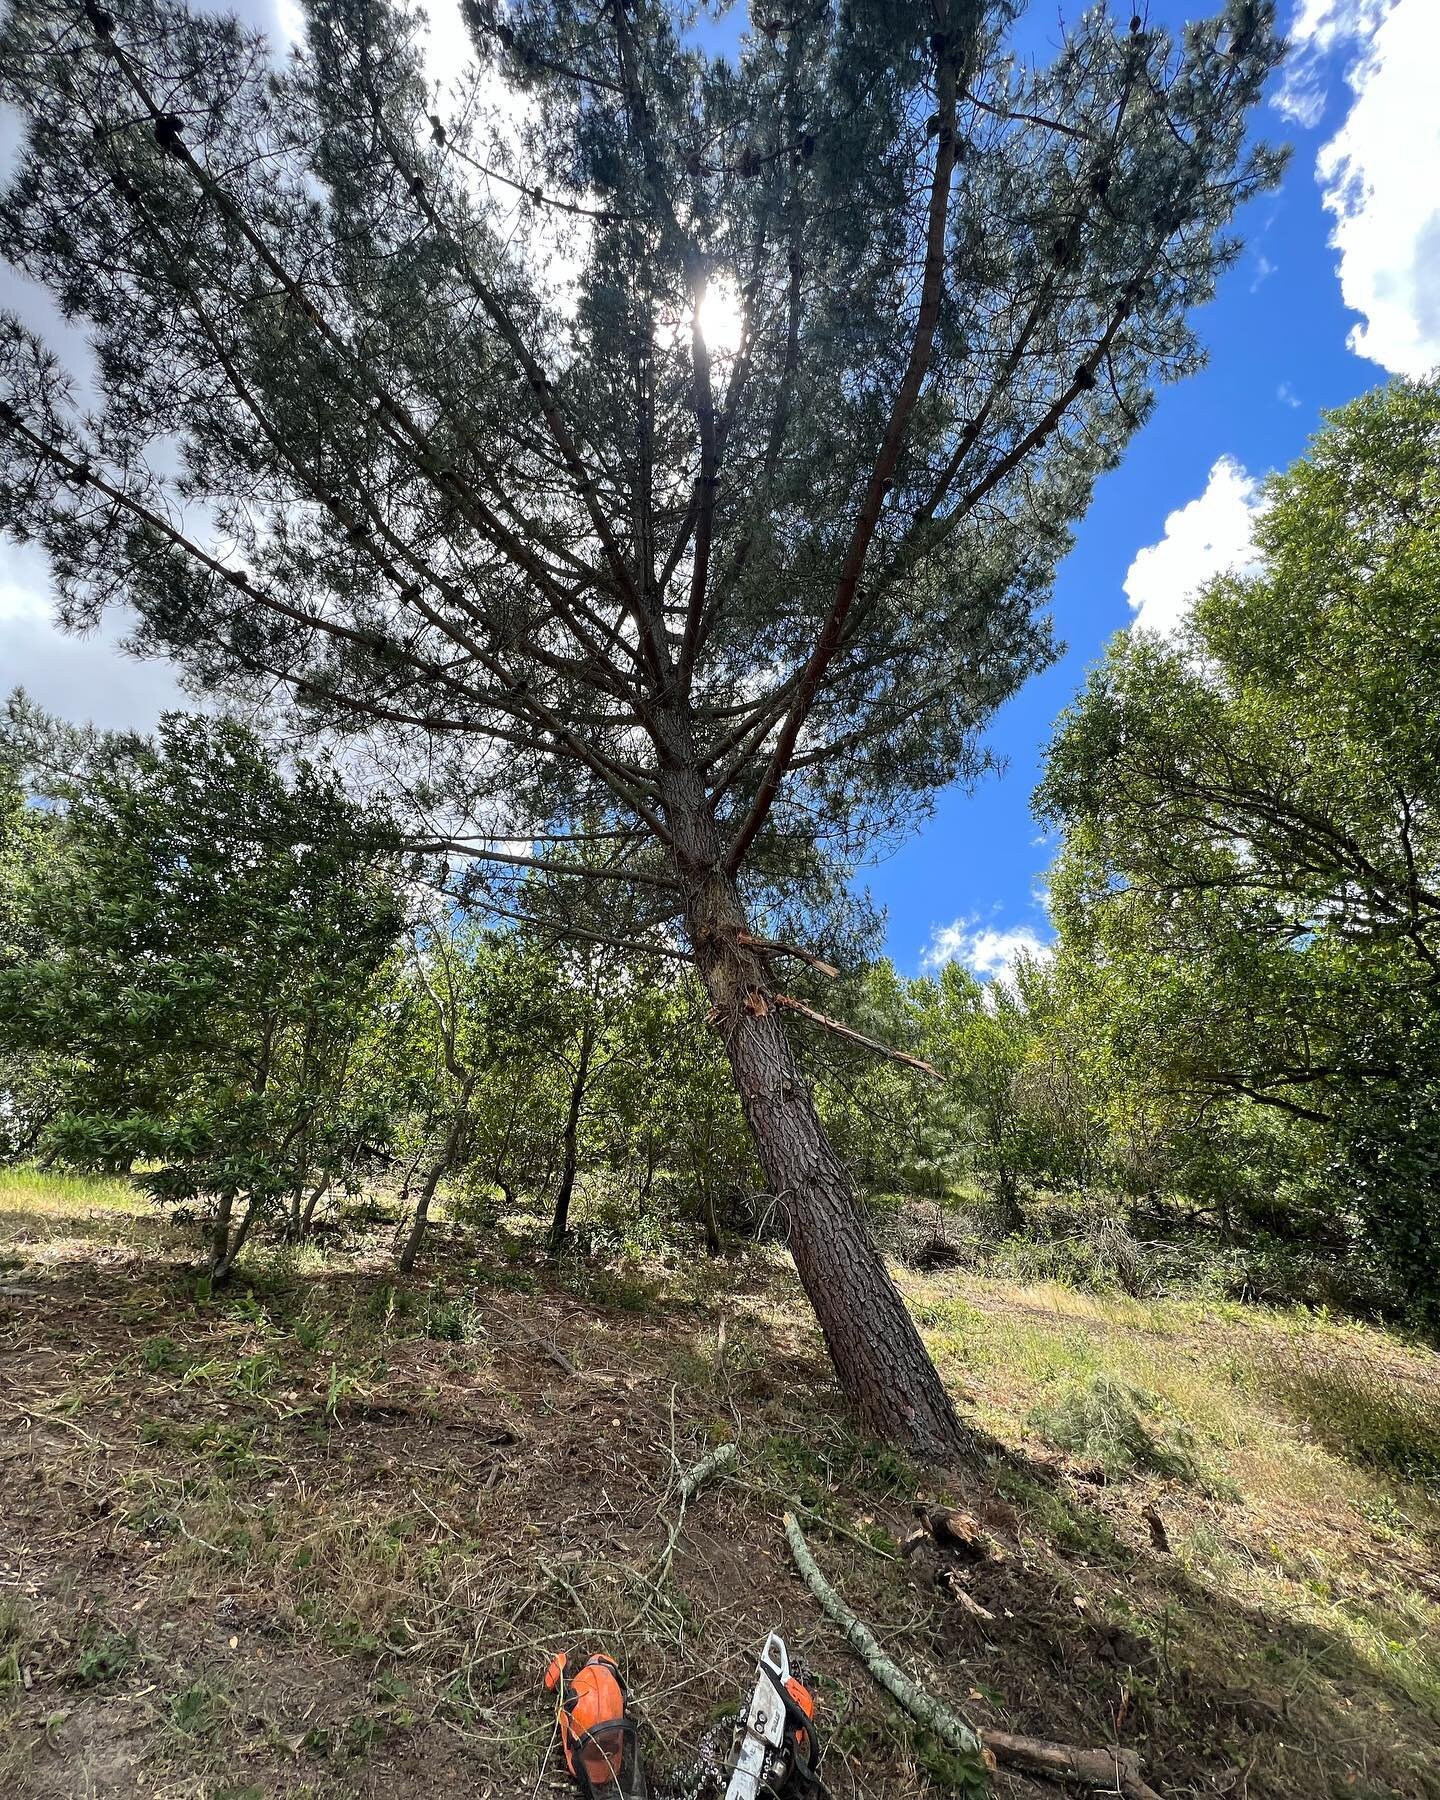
[777,1752]
[767,1751]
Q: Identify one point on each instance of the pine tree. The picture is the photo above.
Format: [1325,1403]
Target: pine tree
[406,406]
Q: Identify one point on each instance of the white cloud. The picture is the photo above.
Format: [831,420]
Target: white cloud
[1377,177]
[1287,394]
[1205,538]
[1318,29]
[982,949]
[80,678]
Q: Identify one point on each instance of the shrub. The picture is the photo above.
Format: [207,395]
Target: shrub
[1122,1428]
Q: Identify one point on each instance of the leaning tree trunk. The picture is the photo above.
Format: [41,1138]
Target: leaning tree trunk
[877,1351]
[447,1159]
[421,1216]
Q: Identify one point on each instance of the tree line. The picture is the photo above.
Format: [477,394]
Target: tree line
[717,616]
[224,971]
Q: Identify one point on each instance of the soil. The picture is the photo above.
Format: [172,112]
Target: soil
[282,1541]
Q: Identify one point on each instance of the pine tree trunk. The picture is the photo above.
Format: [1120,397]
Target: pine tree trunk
[883,1366]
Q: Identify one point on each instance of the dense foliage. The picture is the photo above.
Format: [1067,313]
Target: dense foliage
[224,973]
[203,937]
[410,408]
[1249,891]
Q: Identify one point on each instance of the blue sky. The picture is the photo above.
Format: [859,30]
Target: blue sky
[1338,285]
[1278,335]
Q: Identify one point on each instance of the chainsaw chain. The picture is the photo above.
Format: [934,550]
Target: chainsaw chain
[709,1773]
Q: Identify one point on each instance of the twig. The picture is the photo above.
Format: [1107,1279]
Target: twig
[852,1036]
[690,1484]
[558,1357]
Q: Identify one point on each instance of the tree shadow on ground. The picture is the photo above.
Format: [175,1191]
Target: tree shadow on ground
[383,1490]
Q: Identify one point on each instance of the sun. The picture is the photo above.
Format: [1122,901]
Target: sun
[721,318]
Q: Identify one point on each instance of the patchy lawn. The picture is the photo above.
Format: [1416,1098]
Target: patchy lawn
[318,1534]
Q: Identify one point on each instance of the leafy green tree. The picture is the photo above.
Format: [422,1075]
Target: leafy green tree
[478,1006]
[32,1081]
[746,603]
[1251,819]
[981,1037]
[212,933]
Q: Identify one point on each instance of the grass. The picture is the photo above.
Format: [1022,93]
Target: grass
[360,1512]
[1367,1416]
[64,1195]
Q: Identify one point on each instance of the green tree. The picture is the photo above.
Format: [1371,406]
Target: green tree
[212,933]
[32,1080]
[1251,819]
[982,1037]
[747,604]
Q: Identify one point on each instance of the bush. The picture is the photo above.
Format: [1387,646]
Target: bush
[1122,1428]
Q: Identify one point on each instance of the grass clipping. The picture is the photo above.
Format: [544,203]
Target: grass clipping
[1116,1771]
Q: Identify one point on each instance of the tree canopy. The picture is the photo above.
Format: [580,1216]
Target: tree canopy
[1250,877]
[560,557]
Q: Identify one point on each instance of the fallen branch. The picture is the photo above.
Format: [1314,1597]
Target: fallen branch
[1115,1771]
[925,1708]
[690,1484]
[556,1355]
[852,1036]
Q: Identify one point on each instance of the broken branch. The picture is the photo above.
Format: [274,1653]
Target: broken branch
[1113,1770]
[921,1706]
[852,1036]
[690,1484]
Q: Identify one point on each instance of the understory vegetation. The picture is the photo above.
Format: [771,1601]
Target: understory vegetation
[434,1067]
[315,1533]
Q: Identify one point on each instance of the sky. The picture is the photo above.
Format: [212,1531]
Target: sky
[1337,287]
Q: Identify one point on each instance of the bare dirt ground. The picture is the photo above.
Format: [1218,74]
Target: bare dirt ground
[318,1535]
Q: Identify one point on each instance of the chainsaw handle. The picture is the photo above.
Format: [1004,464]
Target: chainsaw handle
[775,1659]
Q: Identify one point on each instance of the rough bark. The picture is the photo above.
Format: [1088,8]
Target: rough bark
[882,1364]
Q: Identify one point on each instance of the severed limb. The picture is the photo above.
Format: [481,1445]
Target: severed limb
[1115,1771]
[849,1033]
[690,1484]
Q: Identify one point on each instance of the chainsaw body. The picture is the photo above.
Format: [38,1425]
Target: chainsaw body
[777,1752]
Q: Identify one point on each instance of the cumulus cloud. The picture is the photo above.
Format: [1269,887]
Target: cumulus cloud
[1376,177]
[1317,30]
[985,951]
[1205,538]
